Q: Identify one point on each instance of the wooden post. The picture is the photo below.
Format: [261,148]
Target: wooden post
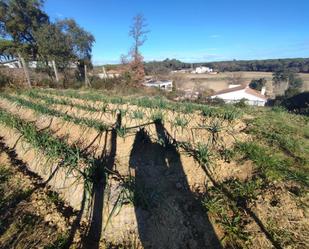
[87,83]
[104,73]
[25,68]
[55,70]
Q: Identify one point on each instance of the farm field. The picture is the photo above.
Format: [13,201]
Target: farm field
[107,171]
[221,81]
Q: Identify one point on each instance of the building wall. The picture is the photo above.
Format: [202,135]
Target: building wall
[241,94]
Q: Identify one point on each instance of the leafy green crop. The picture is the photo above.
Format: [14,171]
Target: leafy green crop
[41,109]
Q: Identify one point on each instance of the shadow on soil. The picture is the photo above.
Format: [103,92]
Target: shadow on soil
[168,213]
[103,165]
[13,212]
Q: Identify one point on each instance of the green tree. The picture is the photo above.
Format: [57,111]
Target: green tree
[53,48]
[7,50]
[80,42]
[258,84]
[19,19]
[280,76]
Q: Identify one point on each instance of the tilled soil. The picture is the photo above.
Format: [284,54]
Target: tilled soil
[165,210]
[31,214]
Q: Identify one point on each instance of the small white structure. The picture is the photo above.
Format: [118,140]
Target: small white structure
[201,70]
[235,94]
[108,75]
[162,84]
[183,71]
[11,64]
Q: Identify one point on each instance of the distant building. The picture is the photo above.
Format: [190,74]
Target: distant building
[201,70]
[15,63]
[181,71]
[235,94]
[113,73]
[162,84]
[11,64]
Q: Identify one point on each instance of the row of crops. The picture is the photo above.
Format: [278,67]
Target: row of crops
[213,126]
[227,112]
[210,120]
[183,126]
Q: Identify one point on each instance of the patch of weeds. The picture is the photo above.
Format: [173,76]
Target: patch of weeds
[213,204]
[284,131]
[5,174]
[28,221]
[208,112]
[226,214]
[227,154]
[188,107]
[214,128]
[230,114]
[122,131]
[283,236]
[53,197]
[272,166]
[203,154]
[157,116]
[244,192]
[137,114]
[59,243]
[136,194]
[241,103]
[278,109]
[235,236]
[181,122]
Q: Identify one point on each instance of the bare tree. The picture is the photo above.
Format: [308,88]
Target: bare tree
[138,32]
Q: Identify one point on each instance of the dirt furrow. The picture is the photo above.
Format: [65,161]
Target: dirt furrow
[33,213]
[191,132]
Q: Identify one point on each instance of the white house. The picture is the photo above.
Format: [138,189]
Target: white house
[235,94]
[200,70]
[163,84]
[11,64]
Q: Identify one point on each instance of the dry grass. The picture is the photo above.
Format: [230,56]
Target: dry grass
[220,81]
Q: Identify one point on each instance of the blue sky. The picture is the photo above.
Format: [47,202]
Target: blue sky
[193,30]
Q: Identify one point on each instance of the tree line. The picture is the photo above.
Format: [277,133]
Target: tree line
[297,65]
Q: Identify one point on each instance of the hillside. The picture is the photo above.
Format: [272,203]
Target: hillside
[139,172]
[298,65]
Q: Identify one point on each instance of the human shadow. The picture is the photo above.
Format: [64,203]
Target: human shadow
[167,212]
[103,165]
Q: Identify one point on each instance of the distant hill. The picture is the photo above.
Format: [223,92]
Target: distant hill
[298,65]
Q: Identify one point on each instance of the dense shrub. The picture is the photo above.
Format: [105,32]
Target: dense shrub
[298,103]
[241,103]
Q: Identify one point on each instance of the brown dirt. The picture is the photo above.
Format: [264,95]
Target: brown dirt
[285,216]
[30,217]
[69,188]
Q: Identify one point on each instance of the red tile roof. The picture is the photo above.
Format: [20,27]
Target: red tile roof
[247,89]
